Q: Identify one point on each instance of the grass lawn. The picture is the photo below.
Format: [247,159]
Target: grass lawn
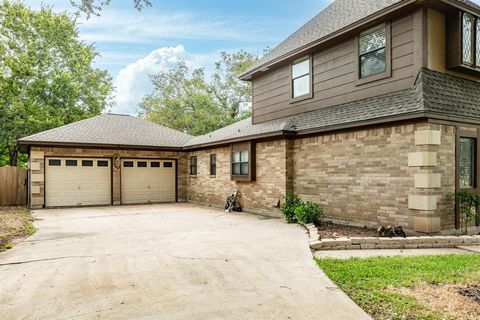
[14,223]
[424,287]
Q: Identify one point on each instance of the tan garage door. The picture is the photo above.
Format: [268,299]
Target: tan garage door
[77,182]
[148,181]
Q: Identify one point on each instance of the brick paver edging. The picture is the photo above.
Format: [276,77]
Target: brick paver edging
[355,243]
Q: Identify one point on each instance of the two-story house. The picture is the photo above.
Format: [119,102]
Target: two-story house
[371,109]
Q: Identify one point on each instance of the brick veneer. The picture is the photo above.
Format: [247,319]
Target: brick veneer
[364,176]
[258,196]
[37,155]
[393,175]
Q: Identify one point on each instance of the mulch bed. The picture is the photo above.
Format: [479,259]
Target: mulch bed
[328,230]
[471,291]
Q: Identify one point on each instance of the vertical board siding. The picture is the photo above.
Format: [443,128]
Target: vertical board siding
[334,77]
[13,186]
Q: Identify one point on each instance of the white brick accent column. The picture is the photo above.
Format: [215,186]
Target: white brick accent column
[424,205]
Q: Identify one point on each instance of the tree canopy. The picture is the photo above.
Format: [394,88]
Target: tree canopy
[94,7]
[188,102]
[46,75]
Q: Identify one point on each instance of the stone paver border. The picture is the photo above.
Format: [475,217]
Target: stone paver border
[356,243]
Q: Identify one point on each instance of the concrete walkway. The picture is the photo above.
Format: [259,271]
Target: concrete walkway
[176,261]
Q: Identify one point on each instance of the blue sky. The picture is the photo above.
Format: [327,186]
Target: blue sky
[135,44]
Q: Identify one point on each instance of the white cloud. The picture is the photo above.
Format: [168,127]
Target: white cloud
[132,82]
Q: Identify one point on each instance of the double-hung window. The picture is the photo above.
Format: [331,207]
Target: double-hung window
[240,160]
[372,50]
[301,79]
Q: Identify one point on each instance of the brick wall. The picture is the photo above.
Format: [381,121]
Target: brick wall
[364,176]
[37,155]
[259,196]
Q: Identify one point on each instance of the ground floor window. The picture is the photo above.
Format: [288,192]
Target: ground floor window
[468,160]
[193,166]
[240,163]
[213,164]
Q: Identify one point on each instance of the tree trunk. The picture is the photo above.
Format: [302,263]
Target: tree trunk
[14,156]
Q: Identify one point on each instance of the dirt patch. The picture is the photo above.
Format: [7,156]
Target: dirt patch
[471,291]
[446,299]
[14,223]
[329,230]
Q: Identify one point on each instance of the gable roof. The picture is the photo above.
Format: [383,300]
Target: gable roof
[434,94]
[112,129]
[337,17]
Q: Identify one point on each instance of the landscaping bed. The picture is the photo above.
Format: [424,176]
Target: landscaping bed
[422,287]
[14,223]
[328,230]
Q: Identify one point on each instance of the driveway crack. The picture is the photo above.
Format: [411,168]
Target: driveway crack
[46,259]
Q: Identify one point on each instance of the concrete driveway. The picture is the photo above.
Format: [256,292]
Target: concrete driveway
[177,261]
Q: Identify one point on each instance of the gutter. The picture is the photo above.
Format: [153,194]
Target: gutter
[26,143]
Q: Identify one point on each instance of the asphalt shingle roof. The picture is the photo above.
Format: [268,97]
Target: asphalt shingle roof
[338,15]
[433,92]
[113,129]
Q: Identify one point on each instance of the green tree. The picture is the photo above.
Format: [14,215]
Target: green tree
[46,75]
[186,101]
[94,7]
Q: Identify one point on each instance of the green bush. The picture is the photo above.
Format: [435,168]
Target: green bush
[468,203]
[308,212]
[289,203]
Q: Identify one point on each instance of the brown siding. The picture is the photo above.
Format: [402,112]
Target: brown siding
[334,76]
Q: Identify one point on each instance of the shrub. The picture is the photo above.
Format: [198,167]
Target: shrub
[308,212]
[468,203]
[289,203]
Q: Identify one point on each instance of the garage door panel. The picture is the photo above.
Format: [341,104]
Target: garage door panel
[150,184]
[77,185]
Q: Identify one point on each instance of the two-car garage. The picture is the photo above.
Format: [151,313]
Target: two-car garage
[88,181]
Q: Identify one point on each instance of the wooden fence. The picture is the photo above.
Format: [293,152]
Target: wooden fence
[13,186]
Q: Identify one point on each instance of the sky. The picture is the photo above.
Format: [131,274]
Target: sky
[133,45]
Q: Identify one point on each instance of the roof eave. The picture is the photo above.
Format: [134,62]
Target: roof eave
[273,134]
[27,143]
[248,75]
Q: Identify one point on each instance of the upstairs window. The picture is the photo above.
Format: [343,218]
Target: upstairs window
[467,38]
[463,43]
[372,52]
[301,79]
